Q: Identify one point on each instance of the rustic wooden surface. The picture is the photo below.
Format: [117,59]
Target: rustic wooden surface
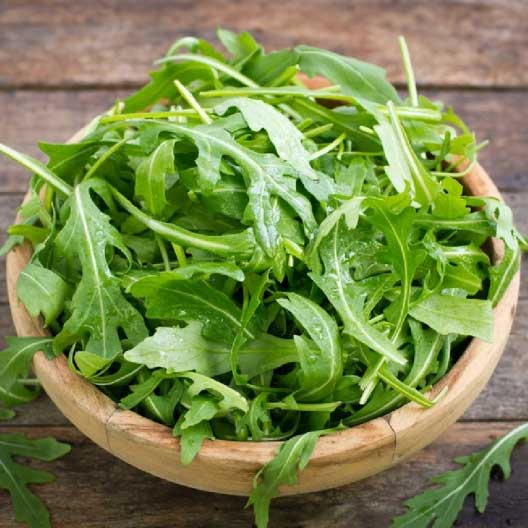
[61,62]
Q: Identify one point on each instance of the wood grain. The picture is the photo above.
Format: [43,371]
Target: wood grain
[57,43]
[95,490]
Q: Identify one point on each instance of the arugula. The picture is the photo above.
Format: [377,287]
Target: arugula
[292,456]
[15,362]
[236,256]
[15,477]
[100,307]
[439,507]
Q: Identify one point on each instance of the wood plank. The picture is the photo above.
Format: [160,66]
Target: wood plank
[32,116]
[110,493]
[53,43]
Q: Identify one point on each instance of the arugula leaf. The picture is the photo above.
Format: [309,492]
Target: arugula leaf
[15,477]
[335,283]
[440,506]
[230,399]
[99,307]
[448,314]
[266,176]
[365,82]
[42,291]
[15,362]
[151,177]
[191,300]
[286,138]
[179,349]
[292,456]
[191,439]
[405,168]
[321,368]
[502,273]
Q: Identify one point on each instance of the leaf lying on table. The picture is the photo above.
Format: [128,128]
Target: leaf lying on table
[15,477]
[439,507]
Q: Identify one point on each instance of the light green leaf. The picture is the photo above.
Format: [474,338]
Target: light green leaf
[334,283]
[323,366]
[191,300]
[502,273]
[42,291]
[455,315]
[286,138]
[179,349]
[203,408]
[192,439]
[229,399]
[365,82]
[292,456]
[151,177]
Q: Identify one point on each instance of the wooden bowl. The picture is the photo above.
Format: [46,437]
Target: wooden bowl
[227,466]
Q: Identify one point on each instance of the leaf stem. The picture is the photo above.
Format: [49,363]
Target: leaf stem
[213,63]
[193,103]
[409,73]
[38,168]
[163,251]
[329,147]
[93,169]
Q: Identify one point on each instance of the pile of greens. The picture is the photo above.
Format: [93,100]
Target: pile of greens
[237,256]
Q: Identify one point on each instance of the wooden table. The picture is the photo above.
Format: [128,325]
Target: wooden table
[63,62]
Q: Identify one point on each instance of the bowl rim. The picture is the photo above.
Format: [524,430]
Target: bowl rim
[382,441]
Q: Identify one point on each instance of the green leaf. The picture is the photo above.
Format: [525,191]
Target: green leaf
[230,245]
[335,283]
[6,414]
[15,477]
[15,361]
[322,367]
[68,160]
[427,345]
[439,507]
[179,349]
[455,315]
[42,291]
[242,46]
[141,391]
[99,308]
[191,300]
[286,138]
[502,274]
[199,270]
[266,176]
[203,408]
[192,439]
[230,399]
[397,229]
[151,177]
[292,456]
[405,168]
[365,82]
